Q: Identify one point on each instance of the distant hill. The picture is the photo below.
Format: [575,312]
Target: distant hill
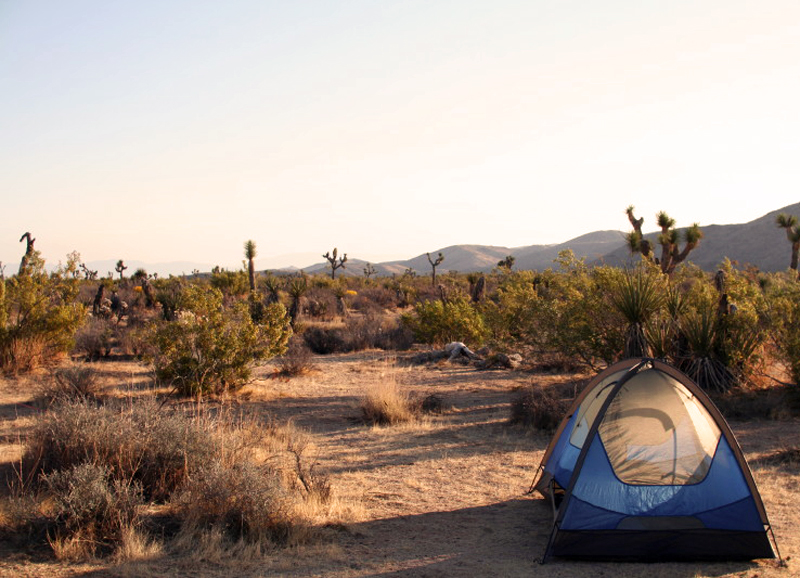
[592,246]
[760,243]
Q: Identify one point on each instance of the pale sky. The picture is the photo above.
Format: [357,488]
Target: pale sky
[176,130]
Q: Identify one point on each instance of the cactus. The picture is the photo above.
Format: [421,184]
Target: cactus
[334,262]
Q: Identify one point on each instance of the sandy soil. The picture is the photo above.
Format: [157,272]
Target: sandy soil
[445,497]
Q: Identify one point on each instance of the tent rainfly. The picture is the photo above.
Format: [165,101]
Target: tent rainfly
[644,467]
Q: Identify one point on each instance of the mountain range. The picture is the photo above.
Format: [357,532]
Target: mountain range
[759,243]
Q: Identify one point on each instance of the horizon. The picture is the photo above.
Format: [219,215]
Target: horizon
[160,133]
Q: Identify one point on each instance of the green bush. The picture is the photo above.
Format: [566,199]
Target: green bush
[210,348]
[440,322]
[565,312]
[230,283]
[784,305]
[39,315]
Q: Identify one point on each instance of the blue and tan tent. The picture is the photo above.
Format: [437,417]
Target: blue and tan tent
[645,467]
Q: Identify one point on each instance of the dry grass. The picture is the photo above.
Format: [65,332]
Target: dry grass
[387,403]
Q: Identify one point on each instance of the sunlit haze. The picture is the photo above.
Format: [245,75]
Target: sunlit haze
[166,131]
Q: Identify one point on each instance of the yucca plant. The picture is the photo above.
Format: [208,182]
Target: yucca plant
[663,330]
[638,296]
[297,287]
[704,361]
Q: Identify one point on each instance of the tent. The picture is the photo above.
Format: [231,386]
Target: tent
[644,467]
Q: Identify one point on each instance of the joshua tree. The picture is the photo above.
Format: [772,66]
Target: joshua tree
[669,239]
[369,270]
[636,240]
[506,263]
[334,262]
[88,273]
[434,263]
[29,252]
[120,268]
[789,222]
[250,253]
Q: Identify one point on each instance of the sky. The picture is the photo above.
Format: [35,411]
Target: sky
[176,130]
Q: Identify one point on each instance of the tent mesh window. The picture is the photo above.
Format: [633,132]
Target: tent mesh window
[656,433]
[590,407]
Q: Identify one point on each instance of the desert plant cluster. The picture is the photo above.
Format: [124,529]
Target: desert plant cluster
[95,468]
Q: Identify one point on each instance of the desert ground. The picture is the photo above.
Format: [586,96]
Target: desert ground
[444,496]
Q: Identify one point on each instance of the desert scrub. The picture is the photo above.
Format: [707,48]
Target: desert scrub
[88,468]
[210,348]
[156,447]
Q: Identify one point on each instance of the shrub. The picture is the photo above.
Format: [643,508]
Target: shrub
[211,348]
[230,283]
[154,447]
[94,339]
[96,463]
[296,361]
[74,381]
[440,322]
[359,333]
[91,507]
[39,315]
[325,340]
[539,407]
[243,500]
[374,330]
[785,327]
[563,314]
